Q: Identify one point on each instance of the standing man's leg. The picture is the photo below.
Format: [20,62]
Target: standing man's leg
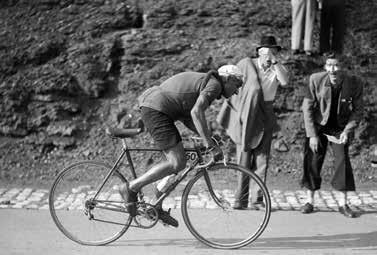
[260,161]
[242,193]
[309,25]
[339,27]
[261,154]
[325,25]
[298,10]
[311,178]
[343,179]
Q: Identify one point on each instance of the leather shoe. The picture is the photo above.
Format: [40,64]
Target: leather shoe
[307,208]
[258,202]
[239,205]
[166,218]
[346,211]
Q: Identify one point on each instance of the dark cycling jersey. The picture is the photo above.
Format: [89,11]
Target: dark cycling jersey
[176,96]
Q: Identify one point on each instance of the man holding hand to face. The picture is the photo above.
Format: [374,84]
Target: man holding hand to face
[249,117]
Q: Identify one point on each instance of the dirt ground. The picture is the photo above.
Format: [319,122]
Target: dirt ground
[70,68]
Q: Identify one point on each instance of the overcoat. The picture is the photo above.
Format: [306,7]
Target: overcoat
[242,115]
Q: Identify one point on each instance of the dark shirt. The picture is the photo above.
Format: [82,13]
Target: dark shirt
[332,125]
[176,96]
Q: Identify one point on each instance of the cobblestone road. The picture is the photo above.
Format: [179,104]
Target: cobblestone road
[27,198]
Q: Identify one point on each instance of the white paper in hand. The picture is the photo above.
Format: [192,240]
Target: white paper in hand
[333,139]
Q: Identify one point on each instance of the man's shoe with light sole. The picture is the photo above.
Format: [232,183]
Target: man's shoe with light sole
[346,211]
[307,208]
[240,205]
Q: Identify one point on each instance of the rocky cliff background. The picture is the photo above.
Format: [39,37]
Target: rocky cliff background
[69,68]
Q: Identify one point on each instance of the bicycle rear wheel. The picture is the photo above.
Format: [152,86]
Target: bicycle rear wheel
[81,218]
[217,223]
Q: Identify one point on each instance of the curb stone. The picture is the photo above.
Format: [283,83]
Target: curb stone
[37,199]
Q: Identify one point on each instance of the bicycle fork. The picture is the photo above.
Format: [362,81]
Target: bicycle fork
[222,203]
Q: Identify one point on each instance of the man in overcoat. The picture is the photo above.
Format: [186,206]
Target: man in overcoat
[249,118]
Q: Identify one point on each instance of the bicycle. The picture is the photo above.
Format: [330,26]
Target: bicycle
[86,207]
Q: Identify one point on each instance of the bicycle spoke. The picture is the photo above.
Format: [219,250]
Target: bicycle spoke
[80,217]
[216,208]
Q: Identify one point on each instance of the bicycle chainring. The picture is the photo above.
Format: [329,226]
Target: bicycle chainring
[147,215]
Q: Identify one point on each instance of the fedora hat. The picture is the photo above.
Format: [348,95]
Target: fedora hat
[268,41]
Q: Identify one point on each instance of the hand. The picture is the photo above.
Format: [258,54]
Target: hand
[273,57]
[313,143]
[343,138]
[217,153]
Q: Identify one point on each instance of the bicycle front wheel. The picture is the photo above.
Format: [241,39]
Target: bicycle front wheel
[208,207]
[81,217]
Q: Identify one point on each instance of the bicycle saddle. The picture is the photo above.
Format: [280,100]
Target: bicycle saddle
[126,132]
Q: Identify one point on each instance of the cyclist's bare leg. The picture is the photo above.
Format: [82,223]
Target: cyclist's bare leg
[175,162]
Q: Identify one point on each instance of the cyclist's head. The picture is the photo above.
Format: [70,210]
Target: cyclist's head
[233,79]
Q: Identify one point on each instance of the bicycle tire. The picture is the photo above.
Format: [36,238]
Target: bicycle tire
[234,228]
[75,185]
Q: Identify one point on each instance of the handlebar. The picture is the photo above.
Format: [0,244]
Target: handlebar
[210,163]
[197,142]
[204,150]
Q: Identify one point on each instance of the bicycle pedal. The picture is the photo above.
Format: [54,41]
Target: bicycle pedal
[164,224]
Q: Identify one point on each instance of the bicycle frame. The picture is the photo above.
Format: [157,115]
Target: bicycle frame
[126,152]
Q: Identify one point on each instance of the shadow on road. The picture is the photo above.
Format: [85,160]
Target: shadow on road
[365,241]
[355,240]
[358,211]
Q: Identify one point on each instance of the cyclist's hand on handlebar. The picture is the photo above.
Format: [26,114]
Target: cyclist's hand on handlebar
[216,139]
[217,153]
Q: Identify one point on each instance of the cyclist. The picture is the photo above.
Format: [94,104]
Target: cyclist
[183,97]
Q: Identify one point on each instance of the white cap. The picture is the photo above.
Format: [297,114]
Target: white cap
[232,70]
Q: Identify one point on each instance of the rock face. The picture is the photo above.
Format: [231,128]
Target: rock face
[70,67]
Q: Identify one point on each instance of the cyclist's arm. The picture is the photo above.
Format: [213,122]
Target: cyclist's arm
[199,119]
[190,125]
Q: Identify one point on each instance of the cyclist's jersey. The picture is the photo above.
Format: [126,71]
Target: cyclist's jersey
[176,96]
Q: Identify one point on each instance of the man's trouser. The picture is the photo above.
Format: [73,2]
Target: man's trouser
[342,180]
[333,26]
[256,160]
[303,17]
